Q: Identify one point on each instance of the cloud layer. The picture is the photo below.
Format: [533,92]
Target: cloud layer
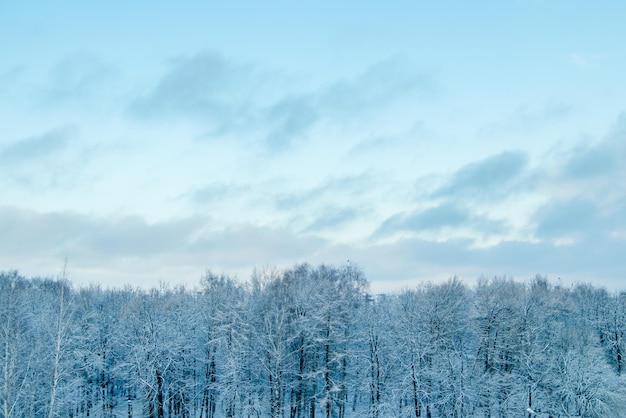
[400,137]
[570,234]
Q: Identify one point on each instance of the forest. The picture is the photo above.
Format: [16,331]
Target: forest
[311,341]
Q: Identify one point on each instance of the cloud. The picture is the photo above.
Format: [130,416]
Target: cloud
[446,215]
[590,162]
[413,260]
[334,218]
[26,233]
[133,237]
[290,119]
[580,219]
[107,249]
[10,78]
[359,99]
[346,187]
[489,176]
[216,192]
[584,59]
[588,172]
[129,250]
[37,147]
[43,162]
[249,245]
[78,77]
[29,232]
[586,259]
[529,119]
[566,219]
[376,88]
[205,87]
[578,60]
[606,158]
[231,98]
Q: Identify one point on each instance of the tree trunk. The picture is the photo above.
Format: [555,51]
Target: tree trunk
[416,403]
[60,329]
[159,379]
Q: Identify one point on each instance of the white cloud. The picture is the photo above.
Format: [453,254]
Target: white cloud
[578,59]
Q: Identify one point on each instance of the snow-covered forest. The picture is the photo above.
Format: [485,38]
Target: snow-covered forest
[311,342]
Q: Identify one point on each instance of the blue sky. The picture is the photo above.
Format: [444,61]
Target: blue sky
[148,141]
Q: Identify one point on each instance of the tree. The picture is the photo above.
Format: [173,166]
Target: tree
[496,309]
[309,342]
[16,337]
[274,339]
[584,385]
[376,336]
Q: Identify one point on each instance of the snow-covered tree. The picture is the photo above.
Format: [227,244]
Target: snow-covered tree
[310,342]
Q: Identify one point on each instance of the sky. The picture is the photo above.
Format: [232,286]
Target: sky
[149,141]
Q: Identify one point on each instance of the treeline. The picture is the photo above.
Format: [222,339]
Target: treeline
[311,342]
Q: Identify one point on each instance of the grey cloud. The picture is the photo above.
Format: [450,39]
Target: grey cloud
[446,215]
[77,77]
[24,233]
[37,147]
[10,78]
[603,160]
[490,175]
[372,146]
[110,247]
[333,218]
[12,74]
[290,119]
[133,236]
[218,191]
[501,175]
[248,245]
[527,119]
[28,232]
[590,258]
[383,146]
[368,94]
[345,186]
[562,219]
[231,98]
[580,219]
[375,88]
[419,259]
[357,99]
[590,163]
[52,160]
[205,87]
